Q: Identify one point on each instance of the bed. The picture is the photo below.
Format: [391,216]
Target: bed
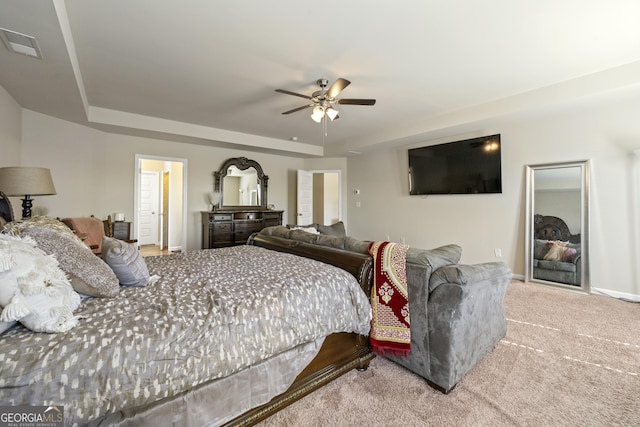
[216,338]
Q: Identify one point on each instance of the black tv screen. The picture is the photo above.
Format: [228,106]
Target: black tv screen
[470,166]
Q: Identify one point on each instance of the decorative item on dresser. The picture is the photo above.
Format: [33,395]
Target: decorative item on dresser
[241,186]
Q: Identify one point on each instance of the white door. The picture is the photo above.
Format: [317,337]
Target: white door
[305,198]
[148,227]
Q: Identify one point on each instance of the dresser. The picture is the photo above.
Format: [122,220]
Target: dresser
[229,227]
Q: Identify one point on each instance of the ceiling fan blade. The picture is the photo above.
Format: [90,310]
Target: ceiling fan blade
[298,109]
[356,101]
[337,87]
[286,92]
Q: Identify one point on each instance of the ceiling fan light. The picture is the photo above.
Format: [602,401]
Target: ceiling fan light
[317,114]
[332,113]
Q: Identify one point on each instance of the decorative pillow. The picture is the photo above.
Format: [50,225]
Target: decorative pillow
[16,227]
[125,261]
[559,251]
[311,230]
[33,289]
[90,275]
[336,229]
[540,248]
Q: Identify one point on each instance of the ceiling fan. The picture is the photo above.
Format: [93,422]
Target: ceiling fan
[324,101]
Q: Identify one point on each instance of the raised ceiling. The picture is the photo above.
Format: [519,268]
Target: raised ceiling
[206,71]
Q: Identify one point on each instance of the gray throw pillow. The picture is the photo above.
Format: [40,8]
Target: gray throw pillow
[125,261]
[276,230]
[336,229]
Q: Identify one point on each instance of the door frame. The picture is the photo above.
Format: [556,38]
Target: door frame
[136,193]
[323,171]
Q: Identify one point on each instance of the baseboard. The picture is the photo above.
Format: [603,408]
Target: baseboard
[518,277]
[615,294]
[175,248]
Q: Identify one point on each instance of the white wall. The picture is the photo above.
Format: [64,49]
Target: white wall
[93,171]
[10,130]
[607,134]
[564,204]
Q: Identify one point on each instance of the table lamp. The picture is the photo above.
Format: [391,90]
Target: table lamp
[26,181]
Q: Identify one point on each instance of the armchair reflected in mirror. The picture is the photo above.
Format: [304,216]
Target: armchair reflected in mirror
[557,216]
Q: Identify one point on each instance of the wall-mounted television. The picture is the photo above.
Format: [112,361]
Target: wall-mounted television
[470,166]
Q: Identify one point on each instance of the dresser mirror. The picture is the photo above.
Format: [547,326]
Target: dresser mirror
[240,182]
[557,218]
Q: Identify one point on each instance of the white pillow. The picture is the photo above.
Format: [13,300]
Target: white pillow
[125,261]
[33,288]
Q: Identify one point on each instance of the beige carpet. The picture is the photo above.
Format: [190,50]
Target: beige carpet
[568,359]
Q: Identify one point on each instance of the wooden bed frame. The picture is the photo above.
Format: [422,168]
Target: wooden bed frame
[6,211]
[339,353]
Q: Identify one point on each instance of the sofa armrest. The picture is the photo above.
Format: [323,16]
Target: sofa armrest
[466,274]
[466,318]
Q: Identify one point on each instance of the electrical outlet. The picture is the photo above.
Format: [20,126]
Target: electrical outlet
[498,252]
[387,238]
[403,240]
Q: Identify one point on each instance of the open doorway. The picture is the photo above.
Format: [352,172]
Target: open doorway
[319,197]
[160,204]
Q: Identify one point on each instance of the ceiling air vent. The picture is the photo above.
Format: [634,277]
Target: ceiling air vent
[20,43]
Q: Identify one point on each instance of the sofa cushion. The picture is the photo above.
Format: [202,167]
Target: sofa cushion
[277,231]
[556,266]
[303,236]
[330,241]
[435,258]
[336,229]
[354,245]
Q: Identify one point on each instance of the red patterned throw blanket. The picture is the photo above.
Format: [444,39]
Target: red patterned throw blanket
[390,334]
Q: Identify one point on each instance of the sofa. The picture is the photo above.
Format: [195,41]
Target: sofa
[457,311]
[557,261]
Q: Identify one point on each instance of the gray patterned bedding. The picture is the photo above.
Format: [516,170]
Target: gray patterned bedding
[212,313]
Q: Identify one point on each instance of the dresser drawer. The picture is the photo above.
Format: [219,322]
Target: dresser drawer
[247,226]
[221,217]
[271,216]
[222,227]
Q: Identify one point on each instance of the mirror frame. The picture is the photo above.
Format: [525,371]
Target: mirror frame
[584,166]
[241,163]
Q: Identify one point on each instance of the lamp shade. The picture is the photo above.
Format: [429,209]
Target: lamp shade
[317,114]
[22,181]
[332,113]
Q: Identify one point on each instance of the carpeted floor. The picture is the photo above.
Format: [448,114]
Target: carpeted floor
[568,359]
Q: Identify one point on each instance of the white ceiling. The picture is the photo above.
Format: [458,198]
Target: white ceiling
[205,71]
